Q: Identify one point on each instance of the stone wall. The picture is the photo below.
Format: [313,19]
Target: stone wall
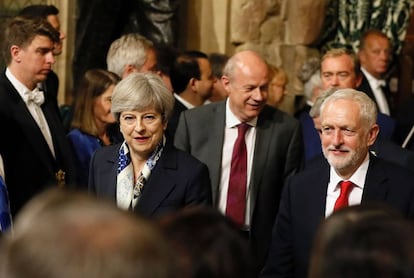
[282,31]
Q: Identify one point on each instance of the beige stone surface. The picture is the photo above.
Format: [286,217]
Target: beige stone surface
[282,32]
[304,20]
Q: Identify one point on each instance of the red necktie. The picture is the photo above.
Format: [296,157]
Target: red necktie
[342,201]
[236,195]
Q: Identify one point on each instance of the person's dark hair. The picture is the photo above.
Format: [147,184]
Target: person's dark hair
[21,31]
[217,61]
[370,240]
[36,11]
[166,55]
[206,244]
[93,84]
[184,68]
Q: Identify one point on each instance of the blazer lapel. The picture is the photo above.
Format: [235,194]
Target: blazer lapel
[110,173]
[215,146]
[56,131]
[319,188]
[375,187]
[159,184]
[264,132]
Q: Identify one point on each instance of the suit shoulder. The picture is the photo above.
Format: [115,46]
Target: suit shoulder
[316,167]
[392,169]
[204,109]
[278,115]
[107,152]
[186,158]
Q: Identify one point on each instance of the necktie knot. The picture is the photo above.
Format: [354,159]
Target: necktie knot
[346,188]
[36,96]
[242,129]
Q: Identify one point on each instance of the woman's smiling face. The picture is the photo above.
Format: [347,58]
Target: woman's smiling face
[142,130]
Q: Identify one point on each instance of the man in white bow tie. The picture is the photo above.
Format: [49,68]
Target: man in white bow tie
[33,143]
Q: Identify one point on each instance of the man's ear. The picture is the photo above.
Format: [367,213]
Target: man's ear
[373,134]
[15,53]
[192,84]
[129,69]
[225,80]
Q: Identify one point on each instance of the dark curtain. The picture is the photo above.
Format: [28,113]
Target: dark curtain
[99,22]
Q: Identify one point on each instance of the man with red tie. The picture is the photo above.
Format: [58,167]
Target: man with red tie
[347,175]
[249,147]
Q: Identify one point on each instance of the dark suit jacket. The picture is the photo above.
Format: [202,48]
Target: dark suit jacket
[303,208]
[173,120]
[28,163]
[178,180]
[277,155]
[366,88]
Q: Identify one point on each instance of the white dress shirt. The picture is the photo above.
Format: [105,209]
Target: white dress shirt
[230,136]
[355,197]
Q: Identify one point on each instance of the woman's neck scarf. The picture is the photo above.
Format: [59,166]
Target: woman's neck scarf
[128,192]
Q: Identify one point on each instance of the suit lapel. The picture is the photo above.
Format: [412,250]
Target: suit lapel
[215,146]
[264,132]
[157,189]
[110,172]
[318,194]
[375,187]
[56,131]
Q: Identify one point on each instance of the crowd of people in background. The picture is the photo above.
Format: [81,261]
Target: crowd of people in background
[180,163]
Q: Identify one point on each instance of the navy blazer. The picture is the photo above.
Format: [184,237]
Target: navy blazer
[278,153]
[303,209]
[28,162]
[178,180]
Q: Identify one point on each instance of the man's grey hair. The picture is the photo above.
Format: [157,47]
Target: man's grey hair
[368,109]
[130,49]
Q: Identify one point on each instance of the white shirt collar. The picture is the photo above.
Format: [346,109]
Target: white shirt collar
[183,101]
[20,88]
[373,82]
[357,178]
[232,120]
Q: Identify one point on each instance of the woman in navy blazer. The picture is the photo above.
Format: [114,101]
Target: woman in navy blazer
[146,173]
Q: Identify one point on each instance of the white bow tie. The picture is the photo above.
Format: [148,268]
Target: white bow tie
[36,96]
[381,83]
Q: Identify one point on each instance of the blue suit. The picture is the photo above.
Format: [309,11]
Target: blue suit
[178,180]
[5,216]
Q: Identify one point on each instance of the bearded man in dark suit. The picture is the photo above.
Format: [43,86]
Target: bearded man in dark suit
[348,129]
